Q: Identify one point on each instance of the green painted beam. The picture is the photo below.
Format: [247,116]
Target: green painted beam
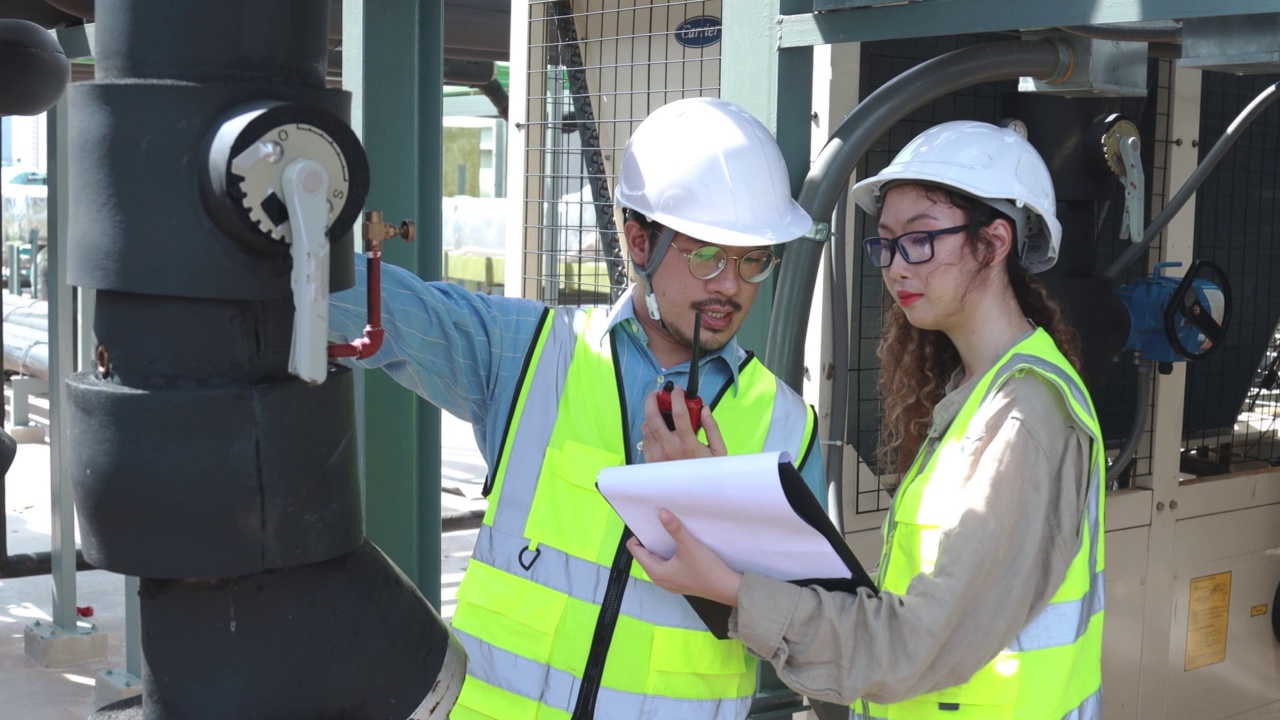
[776,86]
[956,17]
[396,73]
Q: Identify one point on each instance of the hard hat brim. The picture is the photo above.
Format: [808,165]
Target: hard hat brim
[795,223]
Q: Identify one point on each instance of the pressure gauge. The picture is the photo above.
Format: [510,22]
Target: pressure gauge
[1018,126]
[248,156]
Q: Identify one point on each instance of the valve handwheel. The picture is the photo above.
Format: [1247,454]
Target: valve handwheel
[1190,307]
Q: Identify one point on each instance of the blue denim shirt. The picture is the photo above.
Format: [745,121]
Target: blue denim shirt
[463,352]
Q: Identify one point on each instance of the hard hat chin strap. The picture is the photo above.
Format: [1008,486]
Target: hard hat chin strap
[661,242]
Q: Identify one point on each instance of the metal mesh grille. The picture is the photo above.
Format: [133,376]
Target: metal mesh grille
[1231,399]
[1116,401]
[882,61]
[596,69]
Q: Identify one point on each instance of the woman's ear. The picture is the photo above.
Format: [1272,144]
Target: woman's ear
[1001,235]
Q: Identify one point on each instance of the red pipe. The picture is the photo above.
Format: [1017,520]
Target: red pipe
[365,347]
[374,232]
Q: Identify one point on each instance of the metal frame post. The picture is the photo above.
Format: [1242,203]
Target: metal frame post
[752,68]
[397,113]
[1166,429]
[62,364]
[15,277]
[752,72]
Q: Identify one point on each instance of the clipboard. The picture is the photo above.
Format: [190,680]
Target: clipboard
[755,511]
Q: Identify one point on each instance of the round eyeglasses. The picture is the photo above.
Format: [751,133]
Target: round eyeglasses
[709,261]
[915,247]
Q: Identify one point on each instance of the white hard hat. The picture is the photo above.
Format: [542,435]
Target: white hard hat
[706,168]
[992,164]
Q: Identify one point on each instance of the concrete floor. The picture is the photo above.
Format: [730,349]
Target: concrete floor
[29,692]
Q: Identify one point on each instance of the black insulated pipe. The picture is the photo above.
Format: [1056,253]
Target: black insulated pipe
[471,73]
[20,565]
[35,69]
[199,463]
[481,75]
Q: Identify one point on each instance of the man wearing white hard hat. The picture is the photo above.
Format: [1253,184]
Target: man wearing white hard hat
[556,618]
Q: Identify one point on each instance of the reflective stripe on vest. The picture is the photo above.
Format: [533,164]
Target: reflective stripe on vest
[529,603]
[1089,709]
[1057,657]
[525,678]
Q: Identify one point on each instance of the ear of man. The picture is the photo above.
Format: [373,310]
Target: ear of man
[637,242]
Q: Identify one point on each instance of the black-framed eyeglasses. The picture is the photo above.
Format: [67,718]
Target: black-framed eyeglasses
[709,261]
[915,246]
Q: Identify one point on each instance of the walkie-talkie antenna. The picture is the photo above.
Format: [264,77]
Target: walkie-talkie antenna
[692,390]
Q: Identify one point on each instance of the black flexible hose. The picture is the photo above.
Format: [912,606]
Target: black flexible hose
[839,365]
[1139,425]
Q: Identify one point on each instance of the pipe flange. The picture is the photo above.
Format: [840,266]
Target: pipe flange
[1066,61]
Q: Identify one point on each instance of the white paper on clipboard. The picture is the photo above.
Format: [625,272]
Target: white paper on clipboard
[735,505]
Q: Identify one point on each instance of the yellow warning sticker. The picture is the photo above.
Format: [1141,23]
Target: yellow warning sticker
[1257,610]
[1207,620]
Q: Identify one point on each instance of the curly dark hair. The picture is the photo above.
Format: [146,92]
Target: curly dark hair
[915,364]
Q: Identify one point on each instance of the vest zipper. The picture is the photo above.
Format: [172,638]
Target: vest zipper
[585,709]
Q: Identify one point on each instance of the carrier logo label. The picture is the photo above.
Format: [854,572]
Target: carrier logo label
[699,32]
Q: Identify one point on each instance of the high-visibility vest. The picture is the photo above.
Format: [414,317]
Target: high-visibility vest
[556,618]
[1053,668]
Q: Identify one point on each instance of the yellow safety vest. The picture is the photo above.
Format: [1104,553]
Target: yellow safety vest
[556,619]
[1053,669]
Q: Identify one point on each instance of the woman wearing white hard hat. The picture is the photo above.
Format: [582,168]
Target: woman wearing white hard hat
[991,578]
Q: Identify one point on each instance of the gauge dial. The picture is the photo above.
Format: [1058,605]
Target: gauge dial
[1018,126]
[248,157]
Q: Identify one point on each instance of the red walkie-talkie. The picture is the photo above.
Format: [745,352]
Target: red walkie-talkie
[691,400]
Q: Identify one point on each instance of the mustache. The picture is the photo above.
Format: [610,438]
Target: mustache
[712,304]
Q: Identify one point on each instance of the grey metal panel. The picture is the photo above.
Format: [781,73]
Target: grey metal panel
[477,29]
[1232,44]
[1236,223]
[924,19]
[755,77]
[401,435]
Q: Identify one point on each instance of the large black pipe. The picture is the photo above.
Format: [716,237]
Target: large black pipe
[199,463]
[20,565]
[1041,59]
[35,69]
